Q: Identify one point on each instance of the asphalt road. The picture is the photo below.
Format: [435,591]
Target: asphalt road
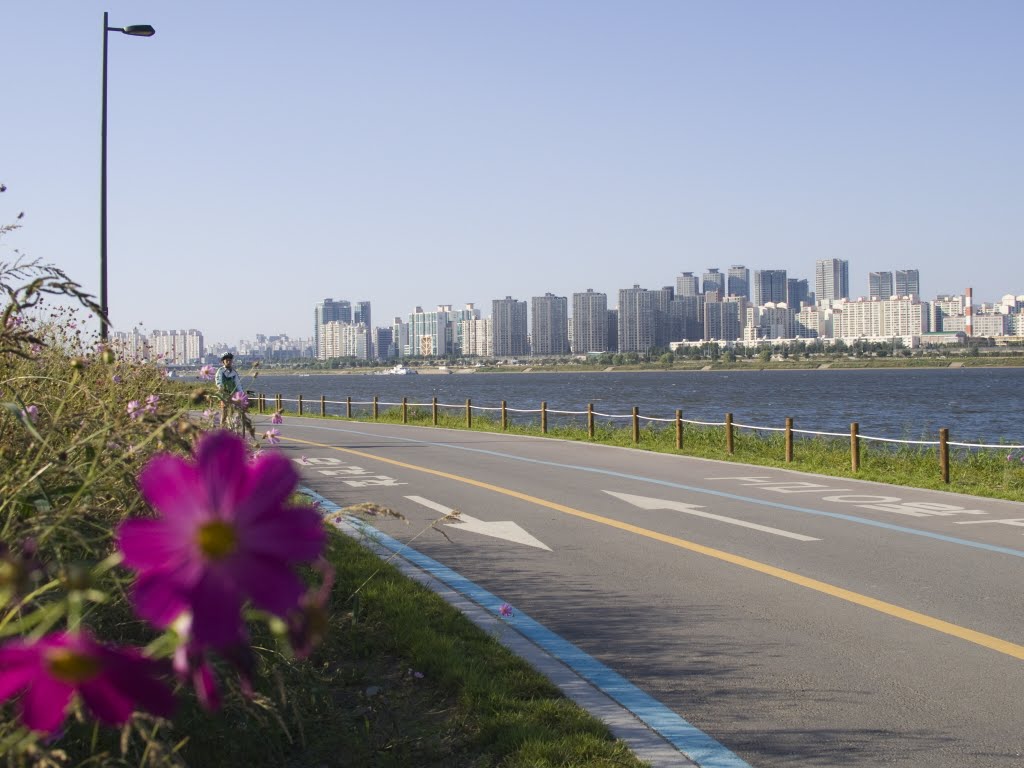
[800,620]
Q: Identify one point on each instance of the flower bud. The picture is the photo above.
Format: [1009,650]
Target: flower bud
[76,577]
[107,356]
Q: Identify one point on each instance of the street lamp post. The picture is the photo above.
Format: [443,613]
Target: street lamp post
[136,30]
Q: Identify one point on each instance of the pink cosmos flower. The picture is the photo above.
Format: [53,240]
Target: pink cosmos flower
[224,535]
[277,418]
[272,436]
[116,378]
[240,399]
[152,401]
[206,372]
[31,413]
[51,670]
[506,611]
[134,409]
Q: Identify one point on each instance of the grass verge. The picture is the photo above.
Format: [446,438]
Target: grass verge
[983,472]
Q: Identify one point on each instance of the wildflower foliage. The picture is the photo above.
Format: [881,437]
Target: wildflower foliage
[148,570]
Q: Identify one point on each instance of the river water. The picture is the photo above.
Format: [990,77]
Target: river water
[976,405]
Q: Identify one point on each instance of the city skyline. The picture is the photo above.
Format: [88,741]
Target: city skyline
[409,153]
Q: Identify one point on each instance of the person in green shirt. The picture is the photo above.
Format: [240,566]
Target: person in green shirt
[227,384]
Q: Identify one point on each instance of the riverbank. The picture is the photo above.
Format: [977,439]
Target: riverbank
[819,364]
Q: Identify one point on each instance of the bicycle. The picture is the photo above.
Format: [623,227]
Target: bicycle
[238,421]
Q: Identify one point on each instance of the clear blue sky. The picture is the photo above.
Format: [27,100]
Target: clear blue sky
[265,155]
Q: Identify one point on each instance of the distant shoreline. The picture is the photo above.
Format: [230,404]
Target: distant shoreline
[874,365]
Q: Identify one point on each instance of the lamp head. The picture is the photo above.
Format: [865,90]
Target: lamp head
[139,30]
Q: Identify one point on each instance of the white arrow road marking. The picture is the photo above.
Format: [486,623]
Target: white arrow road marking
[504,529]
[645,502]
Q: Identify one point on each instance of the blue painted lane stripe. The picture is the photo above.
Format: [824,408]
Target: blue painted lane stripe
[695,489]
[687,738]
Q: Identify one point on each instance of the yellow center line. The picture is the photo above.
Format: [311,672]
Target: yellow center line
[945,627]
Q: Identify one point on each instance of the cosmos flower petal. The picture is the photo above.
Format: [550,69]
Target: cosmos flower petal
[224,468]
[44,703]
[110,704]
[295,534]
[171,486]
[274,479]
[205,684]
[216,610]
[16,676]
[158,598]
[139,678]
[270,584]
[148,544]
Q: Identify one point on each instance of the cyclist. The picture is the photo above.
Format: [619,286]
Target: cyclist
[227,384]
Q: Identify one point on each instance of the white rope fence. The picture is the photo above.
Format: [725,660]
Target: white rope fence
[655,419]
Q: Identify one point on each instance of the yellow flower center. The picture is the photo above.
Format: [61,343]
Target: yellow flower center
[217,540]
[71,667]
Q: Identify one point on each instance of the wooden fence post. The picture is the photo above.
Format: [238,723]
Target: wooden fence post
[433,409]
[789,439]
[300,405]
[944,454]
[348,407]
[590,420]
[729,445]
[679,430]
[469,414]
[405,410]
[280,403]
[504,416]
[376,406]
[854,447]
[543,417]
[323,405]
[636,425]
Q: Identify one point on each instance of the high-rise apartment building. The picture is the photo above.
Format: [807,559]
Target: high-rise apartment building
[400,337]
[946,313]
[738,281]
[456,317]
[382,340]
[770,286]
[346,340]
[328,311]
[169,347]
[636,319]
[661,300]
[509,328]
[361,314]
[687,284]
[831,279]
[477,337]
[797,292]
[880,285]
[686,315]
[879,318]
[589,322]
[430,333]
[723,320]
[550,330]
[908,283]
[613,330]
[713,280]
